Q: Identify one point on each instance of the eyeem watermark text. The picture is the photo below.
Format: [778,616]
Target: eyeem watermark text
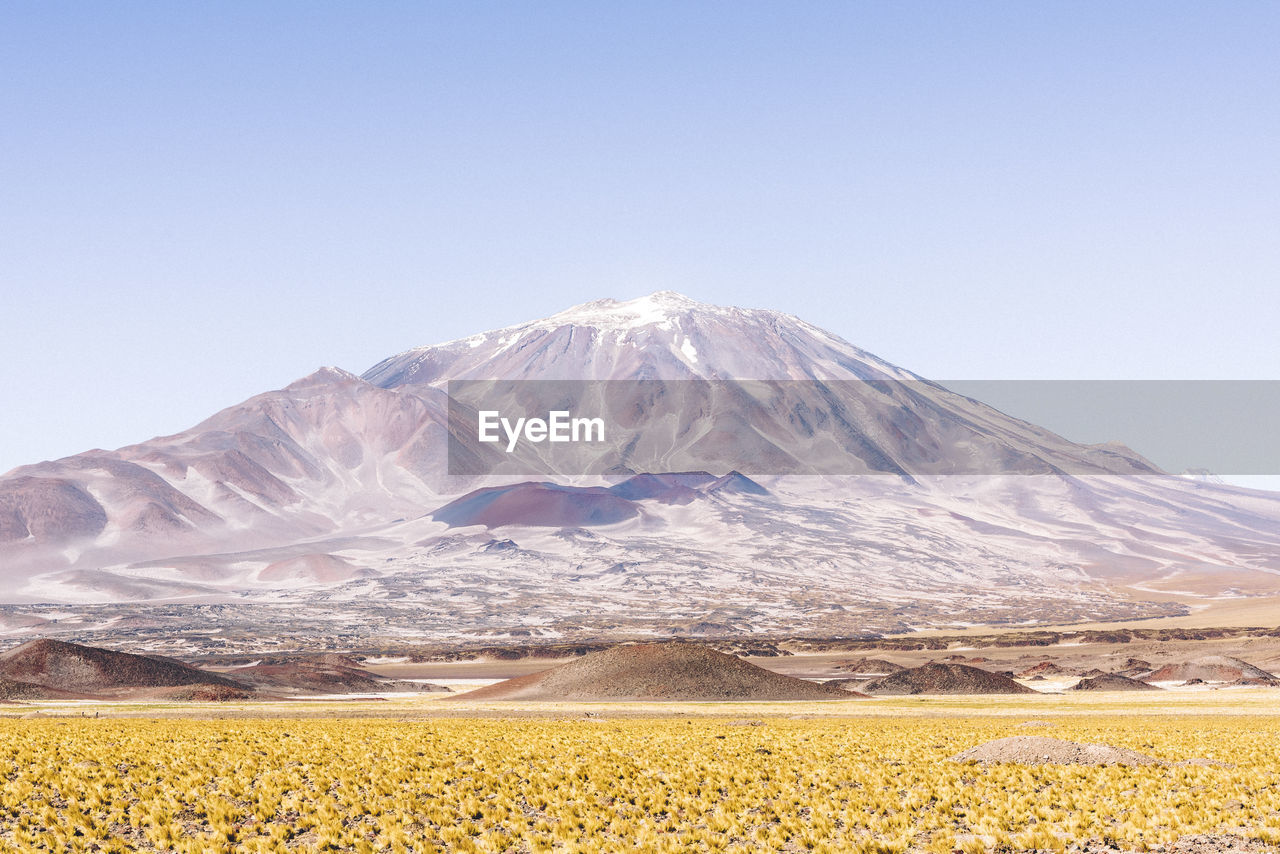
[558,426]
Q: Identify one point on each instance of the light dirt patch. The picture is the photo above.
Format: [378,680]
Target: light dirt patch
[1039,750]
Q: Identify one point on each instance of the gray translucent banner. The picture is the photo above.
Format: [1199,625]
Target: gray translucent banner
[899,427]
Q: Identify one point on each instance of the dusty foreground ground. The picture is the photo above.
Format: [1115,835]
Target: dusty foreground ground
[420,774]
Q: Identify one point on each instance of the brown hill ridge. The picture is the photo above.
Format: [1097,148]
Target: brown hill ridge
[58,666]
[657,671]
[869,667]
[1045,669]
[1213,668]
[945,678]
[1112,682]
[325,674]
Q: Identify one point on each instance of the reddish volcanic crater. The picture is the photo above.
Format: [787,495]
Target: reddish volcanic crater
[550,505]
[538,504]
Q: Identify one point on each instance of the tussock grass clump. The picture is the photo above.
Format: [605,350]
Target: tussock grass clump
[872,784]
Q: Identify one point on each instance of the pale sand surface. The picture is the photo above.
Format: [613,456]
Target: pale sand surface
[1194,701]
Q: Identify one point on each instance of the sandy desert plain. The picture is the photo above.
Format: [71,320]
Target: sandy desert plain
[1188,765]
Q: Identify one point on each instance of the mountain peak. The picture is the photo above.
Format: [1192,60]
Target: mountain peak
[661,309]
[662,335]
[654,308]
[322,377]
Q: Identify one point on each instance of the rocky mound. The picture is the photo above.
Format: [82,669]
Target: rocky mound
[684,487]
[70,667]
[1112,682]
[945,678]
[869,667]
[657,671]
[537,504]
[1213,668]
[1136,668]
[851,685]
[204,694]
[1045,669]
[328,674]
[1039,750]
[542,504]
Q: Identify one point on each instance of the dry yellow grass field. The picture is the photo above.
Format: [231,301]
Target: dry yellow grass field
[681,782]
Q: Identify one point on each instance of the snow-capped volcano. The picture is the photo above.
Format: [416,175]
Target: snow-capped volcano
[328,490]
[828,408]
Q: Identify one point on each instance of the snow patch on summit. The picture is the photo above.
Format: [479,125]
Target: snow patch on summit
[657,309]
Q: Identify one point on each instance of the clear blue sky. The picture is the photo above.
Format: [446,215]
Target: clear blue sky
[201,201]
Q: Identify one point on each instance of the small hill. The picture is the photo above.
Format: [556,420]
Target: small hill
[1213,668]
[70,667]
[945,678]
[203,694]
[869,667]
[1045,669]
[670,488]
[657,671]
[552,505]
[538,504]
[326,674]
[1136,668]
[853,686]
[1112,682]
[684,487]
[735,483]
[1038,750]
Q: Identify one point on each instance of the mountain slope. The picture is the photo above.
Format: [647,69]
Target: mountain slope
[326,454]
